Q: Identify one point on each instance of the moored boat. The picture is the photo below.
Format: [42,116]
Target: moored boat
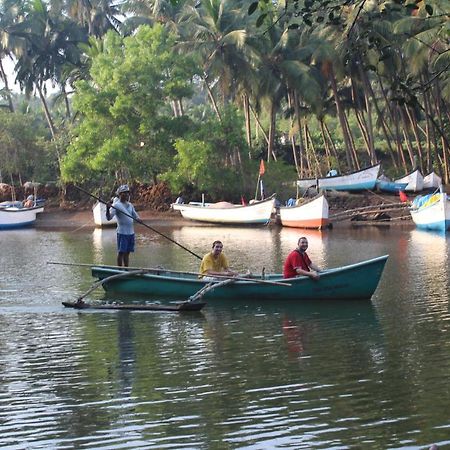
[414,180]
[432,181]
[384,184]
[14,217]
[431,212]
[354,181]
[355,281]
[227,213]
[313,214]
[100,220]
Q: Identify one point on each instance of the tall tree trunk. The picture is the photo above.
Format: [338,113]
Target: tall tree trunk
[301,146]
[326,145]
[271,144]
[333,147]
[352,144]
[407,137]
[386,131]
[291,101]
[213,100]
[342,119]
[413,121]
[66,102]
[46,111]
[318,170]
[248,124]
[7,90]
[258,122]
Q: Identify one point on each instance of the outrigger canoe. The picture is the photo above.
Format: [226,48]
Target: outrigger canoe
[355,281]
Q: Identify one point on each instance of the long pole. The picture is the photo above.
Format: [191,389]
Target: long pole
[159,271]
[138,221]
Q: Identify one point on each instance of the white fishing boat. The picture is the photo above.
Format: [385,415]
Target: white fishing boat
[432,181]
[431,212]
[414,180]
[100,220]
[312,214]
[227,213]
[15,217]
[355,181]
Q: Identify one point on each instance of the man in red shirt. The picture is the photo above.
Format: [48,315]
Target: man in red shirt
[298,263]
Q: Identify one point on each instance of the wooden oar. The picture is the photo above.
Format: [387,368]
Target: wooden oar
[139,221]
[159,270]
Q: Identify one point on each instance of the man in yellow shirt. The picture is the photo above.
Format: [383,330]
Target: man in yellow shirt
[215,262]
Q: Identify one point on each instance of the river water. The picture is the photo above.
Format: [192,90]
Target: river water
[370,374]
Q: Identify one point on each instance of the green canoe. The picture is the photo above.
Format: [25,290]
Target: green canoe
[355,281]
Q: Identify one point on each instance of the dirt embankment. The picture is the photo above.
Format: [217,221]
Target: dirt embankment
[156,210]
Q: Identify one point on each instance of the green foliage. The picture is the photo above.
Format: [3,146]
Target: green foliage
[23,150]
[126,123]
[206,160]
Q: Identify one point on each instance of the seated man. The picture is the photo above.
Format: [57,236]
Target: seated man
[298,263]
[215,263]
[29,202]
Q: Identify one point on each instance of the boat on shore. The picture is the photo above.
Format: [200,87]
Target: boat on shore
[100,220]
[312,214]
[431,212]
[226,213]
[432,181]
[414,180]
[354,181]
[384,184]
[355,281]
[14,217]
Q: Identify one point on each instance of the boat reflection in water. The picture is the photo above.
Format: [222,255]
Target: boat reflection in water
[317,243]
[430,268]
[103,240]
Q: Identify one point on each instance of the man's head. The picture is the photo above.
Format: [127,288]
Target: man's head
[123,192]
[217,247]
[302,244]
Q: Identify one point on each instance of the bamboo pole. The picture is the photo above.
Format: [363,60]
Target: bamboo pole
[159,270]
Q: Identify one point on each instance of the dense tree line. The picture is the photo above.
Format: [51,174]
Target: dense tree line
[196,92]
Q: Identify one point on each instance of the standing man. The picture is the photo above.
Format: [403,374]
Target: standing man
[298,263]
[215,262]
[125,213]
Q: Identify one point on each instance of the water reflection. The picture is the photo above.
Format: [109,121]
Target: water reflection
[264,375]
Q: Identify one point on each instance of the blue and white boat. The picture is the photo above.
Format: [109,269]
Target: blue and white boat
[414,180]
[384,184]
[15,217]
[431,212]
[354,181]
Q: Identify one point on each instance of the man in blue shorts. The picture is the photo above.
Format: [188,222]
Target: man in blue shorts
[124,212]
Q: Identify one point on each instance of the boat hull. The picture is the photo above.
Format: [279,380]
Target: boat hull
[431,181]
[355,181]
[414,180]
[356,281]
[256,213]
[390,186]
[100,220]
[11,218]
[313,214]
[435,216]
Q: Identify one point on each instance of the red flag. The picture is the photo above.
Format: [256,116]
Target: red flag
[403,196]
[262,169]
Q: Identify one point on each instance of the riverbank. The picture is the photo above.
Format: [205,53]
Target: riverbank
[78,216]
